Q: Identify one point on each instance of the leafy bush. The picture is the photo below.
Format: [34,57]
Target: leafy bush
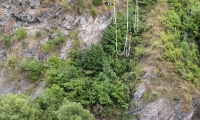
[109,35]
[173,20]
[33,68]
[91,59]
[54,43]
[19,107]
[12,61]
[62,75]
[73,111]
[54,62]
[184,55]
[97,2]
[81,3]
[94,12]
[20,34]
[51,100]
[6,40]
[77,90]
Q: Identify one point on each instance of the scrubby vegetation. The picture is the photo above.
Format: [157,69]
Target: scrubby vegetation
[19,107]
[93,77]
[33,69]
[22,107]
[6,40]
[20,34]
[97,2]
[180,47]
[54,43]
[96,78]
[176,50]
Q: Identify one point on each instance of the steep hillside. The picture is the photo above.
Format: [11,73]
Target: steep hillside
[42,24]
[163,82]
[59,58]
[172,65]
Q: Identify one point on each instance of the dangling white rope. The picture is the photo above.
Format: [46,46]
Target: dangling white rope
[136,21]
[127,43]
[129,48]
[114,11]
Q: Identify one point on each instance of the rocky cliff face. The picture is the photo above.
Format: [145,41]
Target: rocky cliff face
[34,16]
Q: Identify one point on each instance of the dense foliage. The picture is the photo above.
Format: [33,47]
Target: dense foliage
[179,42]
[19,107]
[33,68]
[73,111]
[97,2]
[96,78]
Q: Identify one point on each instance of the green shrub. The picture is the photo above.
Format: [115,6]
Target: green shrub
[66,7]
[51,100]
[173,20]
[33,68]
[91,59]
[19,107]
[94,12]
[97,2]
[47,48]
[66,112]
[179,47]
[76,90]
[54,62]
[37,34]
[12,60]
[6,40]
[90,6]
[20,34]
[62,75]
[140,52]
[55,43]
[81,3]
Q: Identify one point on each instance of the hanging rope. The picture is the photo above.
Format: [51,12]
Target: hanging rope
[136,22]
[178,112]
[115,15]
[126,48]
[127,45]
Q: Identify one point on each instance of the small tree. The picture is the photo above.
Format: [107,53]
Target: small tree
[73,111]
[51,100]
[20,34]
[19,107]
[33,68]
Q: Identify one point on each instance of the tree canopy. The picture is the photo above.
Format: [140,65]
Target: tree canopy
[19,107]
